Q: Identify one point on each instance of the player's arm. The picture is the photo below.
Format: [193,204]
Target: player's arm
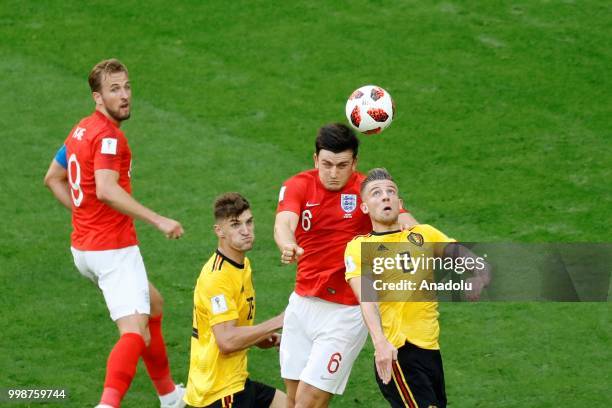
[406,220]
[111,193]
[284,234]
[482,275]
[231,338]
[384,352]
[56,178]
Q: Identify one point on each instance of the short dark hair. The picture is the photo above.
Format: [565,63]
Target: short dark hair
[379,173]
[230,205]
[336,138]
[109,66]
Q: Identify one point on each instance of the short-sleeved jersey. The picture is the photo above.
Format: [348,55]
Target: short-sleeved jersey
[224,292]
[415,322]
[97,143]
[328,220]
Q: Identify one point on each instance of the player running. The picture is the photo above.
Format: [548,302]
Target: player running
[223,318]
[404,333]
[318,213]
[97,188]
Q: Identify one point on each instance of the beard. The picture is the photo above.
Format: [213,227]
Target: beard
[116,114]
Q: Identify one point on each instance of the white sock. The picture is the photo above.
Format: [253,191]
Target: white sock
[170,397]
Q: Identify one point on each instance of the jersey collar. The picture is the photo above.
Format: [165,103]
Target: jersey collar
[385,233]
[234,264]
[103,117]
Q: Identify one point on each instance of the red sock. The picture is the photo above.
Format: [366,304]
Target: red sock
[121,367]
[156,359]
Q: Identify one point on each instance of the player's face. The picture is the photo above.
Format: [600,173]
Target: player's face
[335,169]
[238,232]
[115,96]
[381,201]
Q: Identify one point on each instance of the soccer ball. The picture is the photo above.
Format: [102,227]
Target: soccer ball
[370,109]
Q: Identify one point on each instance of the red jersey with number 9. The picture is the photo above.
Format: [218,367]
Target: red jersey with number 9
[328,221]
[97,143]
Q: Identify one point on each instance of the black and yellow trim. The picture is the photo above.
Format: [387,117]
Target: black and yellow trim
[224,258]
[402,386]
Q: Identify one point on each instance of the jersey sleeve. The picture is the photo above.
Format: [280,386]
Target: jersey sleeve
[217,298]
[291,195]
[432,234]
[60,157]
[352,260]
[108,151]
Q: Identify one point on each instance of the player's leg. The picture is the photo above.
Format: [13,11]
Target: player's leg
[265,396]
[295,344]
[414,377]
[291,389]
[155,356]
[279,400]
[123,281]
[438,379]
[309,396]
[340,336]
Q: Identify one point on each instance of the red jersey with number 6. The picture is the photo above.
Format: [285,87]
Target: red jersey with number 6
[97,143]
[328,220]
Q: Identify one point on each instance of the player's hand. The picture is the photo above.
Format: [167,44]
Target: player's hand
[273,340]
[170,228]
[291,253]
[478,285]
[406,221]
[384,355]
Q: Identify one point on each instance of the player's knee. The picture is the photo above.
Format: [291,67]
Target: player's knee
[157,303]
[146,336]
[311,398]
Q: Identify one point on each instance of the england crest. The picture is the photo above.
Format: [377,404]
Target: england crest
[348,202]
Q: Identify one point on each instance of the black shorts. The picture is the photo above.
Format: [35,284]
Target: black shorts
[254,395]
[418,379]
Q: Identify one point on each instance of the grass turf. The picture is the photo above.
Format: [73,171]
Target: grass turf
[502,134]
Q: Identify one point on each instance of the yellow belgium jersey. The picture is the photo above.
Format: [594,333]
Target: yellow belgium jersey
[224,292]
[416,322]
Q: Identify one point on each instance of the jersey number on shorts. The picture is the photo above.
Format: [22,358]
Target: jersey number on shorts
[334,363]
[75,180]
[306,220]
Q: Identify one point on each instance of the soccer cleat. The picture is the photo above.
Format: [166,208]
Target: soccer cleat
[179,391]
[103,406]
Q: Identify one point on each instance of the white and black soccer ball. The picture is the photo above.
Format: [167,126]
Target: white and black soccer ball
[370,109]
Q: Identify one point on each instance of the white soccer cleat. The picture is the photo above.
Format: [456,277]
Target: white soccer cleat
[177,402]
[103,406]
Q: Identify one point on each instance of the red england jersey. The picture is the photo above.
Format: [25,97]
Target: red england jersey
[97,143]
[328,220]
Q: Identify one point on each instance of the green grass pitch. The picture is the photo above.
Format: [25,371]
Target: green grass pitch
[503,134]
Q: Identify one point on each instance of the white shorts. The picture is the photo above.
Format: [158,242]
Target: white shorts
[321,341]
[121,276]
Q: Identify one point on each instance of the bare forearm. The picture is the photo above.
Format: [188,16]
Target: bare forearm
[369,310]
[61,191]
[117,198]
[242,337]
[372,320]
[283,235]
[482,272]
